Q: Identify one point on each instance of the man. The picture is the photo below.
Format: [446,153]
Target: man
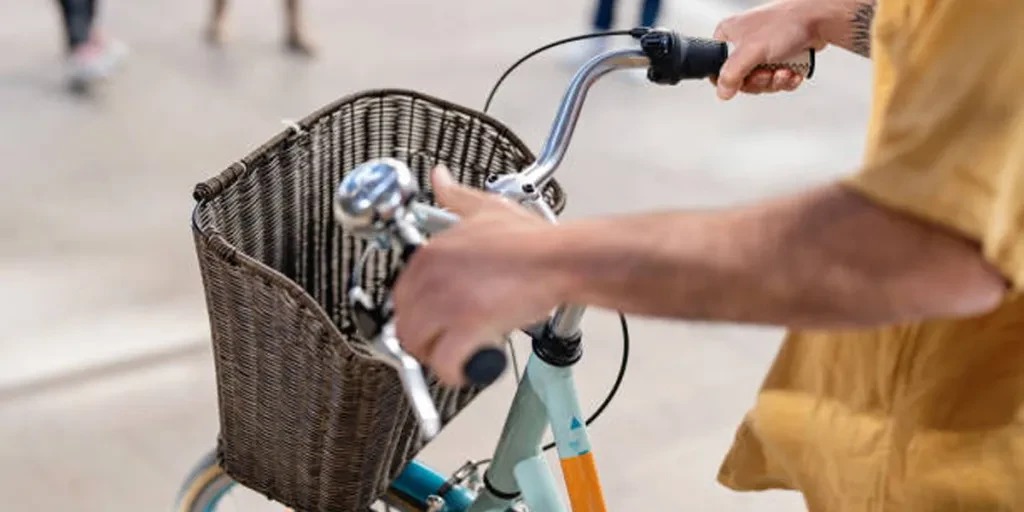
[902,386]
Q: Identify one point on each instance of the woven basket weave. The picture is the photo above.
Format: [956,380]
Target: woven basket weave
[305,417]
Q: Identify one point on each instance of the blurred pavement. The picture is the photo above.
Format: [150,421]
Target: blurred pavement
[106,385]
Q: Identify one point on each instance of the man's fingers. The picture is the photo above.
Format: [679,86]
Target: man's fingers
[780,79]
[418,332]
[737,67]
[453,350]
[721,31]
[794,82]
[416,323]
[760,79]
[419,296]
[757,82]
[454,196]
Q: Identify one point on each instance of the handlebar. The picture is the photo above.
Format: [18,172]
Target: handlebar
[669,59]
[554,148]
[377,201]
[675,58]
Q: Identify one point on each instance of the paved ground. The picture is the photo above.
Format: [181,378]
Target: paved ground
[106,386]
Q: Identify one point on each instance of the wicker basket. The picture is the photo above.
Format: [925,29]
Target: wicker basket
[305,417]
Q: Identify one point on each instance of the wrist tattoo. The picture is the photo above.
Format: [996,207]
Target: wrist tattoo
[860,27]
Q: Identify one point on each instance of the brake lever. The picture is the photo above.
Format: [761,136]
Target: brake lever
[411,375]
[371,325]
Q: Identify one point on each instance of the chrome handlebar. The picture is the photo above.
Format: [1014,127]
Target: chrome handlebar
[557,143]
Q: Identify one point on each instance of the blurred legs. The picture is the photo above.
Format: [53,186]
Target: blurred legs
[90,55]
[78,16]
[649,15]
[215,31]
[604,14]
[295,37]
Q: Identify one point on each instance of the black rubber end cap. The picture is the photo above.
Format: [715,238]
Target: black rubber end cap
[485,366]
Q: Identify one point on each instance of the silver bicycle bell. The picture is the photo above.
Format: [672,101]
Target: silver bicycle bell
[373,194]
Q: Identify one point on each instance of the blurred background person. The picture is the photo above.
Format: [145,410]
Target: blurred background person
[295,36]
[91,55]
[604,19]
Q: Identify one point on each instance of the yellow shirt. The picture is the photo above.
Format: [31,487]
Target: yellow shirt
[930,416]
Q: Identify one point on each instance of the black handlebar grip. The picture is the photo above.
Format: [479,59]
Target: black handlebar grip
[485,366]
[703,58]
[674,58]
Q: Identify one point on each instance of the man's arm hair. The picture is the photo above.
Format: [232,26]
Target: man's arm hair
[848,25]
[827,258]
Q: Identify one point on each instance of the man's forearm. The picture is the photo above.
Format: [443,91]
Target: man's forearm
[847,24]
[828,258]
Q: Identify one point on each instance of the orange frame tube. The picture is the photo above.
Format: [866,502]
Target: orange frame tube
[583,484]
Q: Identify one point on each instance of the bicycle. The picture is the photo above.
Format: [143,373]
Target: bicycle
[379,202]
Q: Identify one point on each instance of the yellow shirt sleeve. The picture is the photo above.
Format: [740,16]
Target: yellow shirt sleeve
[946,139]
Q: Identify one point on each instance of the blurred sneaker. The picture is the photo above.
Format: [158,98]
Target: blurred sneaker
[298,44]
[579,52]
[113,52]
[95,61]
[215,33]
[85,66]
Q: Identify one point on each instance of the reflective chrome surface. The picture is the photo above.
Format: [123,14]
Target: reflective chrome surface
[372,194]
[431,218]
[411,374]
[566,320]
[569,110]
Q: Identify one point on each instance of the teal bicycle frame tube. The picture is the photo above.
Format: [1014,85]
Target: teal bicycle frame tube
[546,395]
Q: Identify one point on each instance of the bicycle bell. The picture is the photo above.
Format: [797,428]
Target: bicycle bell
[373,194]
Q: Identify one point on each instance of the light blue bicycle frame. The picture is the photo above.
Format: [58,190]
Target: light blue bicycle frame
[546,395]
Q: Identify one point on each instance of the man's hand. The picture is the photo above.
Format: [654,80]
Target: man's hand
[772,32]
[783,28]
[475,282]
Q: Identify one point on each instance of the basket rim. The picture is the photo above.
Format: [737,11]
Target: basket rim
[234,171]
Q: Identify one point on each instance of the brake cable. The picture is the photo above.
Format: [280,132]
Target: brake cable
[635,33]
